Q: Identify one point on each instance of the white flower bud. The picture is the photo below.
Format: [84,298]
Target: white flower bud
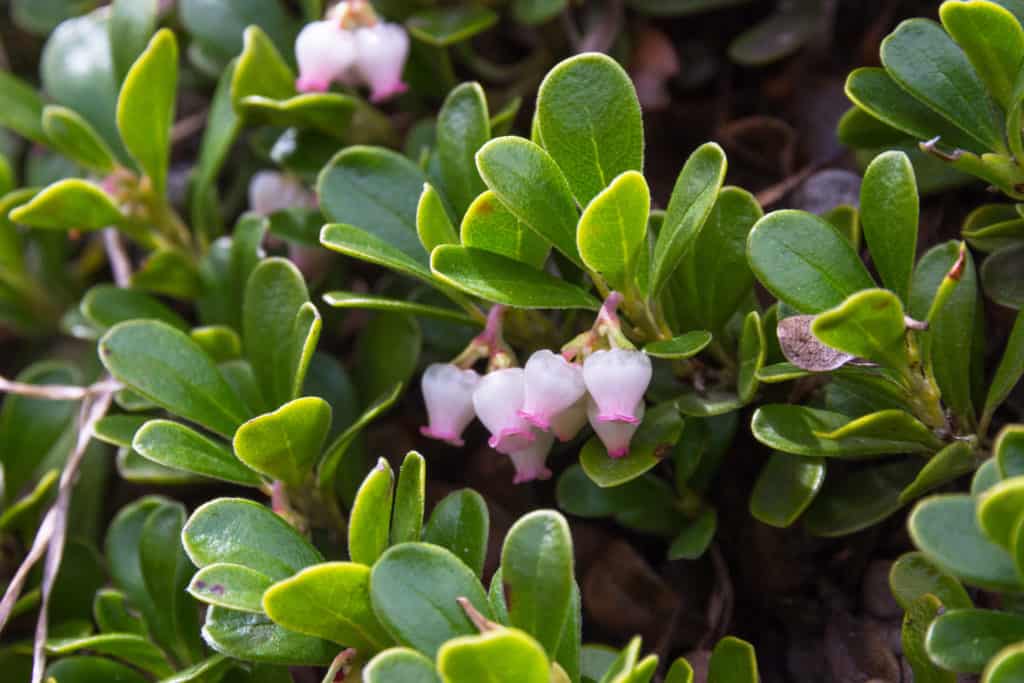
[615,434]
[380,57]
[448,394]
[617,380]
[529,462]
[271,191]
[324,52]
[568,423]
[553,384]
[497,400]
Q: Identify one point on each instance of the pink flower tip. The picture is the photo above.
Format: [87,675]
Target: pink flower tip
[538,421]
[619,452]
[618,417]
[510,438]
[307,84]
[446,436]
[542,474]
[385,93]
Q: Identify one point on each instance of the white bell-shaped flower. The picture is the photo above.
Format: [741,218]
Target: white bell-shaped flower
[553,384]
[271,191]
[529,462]
[568,423]
[617,380]
[497,400]
[448,394]
[324,52]
[381,50]
[615,434]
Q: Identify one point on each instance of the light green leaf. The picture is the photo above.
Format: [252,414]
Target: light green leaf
[70,204]
[369,525]
[868,324]
[951,462]
[337,299]
[684,346]
[918,617]
[661,428]
[463,127]
[733,661]
[129,648]
[400,664]
[286,443]
[230,585]
[992,39]
[72,136]
[889,215]
[365,245]
[176,446]
[407,523]
[260,71]
[613,229]
[433,226]
[500,656]
[21,108]
[489,225]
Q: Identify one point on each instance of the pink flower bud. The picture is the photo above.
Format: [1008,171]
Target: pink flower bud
[324,51]
[448,393]
[497,400]
[617,380]
[553,384]
[529,462]
[615,434]
[270,191]
[567,424]
[380,57]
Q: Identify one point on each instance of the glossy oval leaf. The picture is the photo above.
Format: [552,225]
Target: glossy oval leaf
[176,446]
[489,225]
[500,656]
[613,229]
[67,205]
[463,126]
[71,135]
[964,640]
[461,523]
[254,637]
[992,39]
[369,525]
[400,664]
[889,217]
[286,443]
[230,585]
[869,324]
[684,346]
[433,226]
[785,488]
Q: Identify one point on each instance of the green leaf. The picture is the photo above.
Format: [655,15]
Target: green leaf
[21,108]
[376,190]
[463,127]
[1007,666]
[280,328]
[145,107]
[992,226]
[400,664]
[536,11]
[170,272]
[680,672]
[414,588]
[868,324]
[212,668]
[733,661]
[874,90]
[528,182]
[70,204]
[986,476]
[500,656]
[948,464]
[77,72]
[810,431]
[489,225]
[230,585]
[613,229]
[407,523]
[433,226]
[889,215]
[785,488]
[338,299]
[83,669]
[913,575]
[919,615]
[751,357]
[860,499]
[964,640]
[461,523]
[693,540]
[107,305]
[999,509]
[260,71]
[220,342]
[255,638]
[72,136]
[364,245]
[693,197]
[176,446]
[387,353]
[804,261]
[132,22]
[341,117]
[1001,276]
[242,532]
[945,528]
[589,119]
[925,62]
[219,26]
[222,127]
[329,601]
[537,572]
[286,443]
[502,280]
[992,39]
[369,525]
[661,428]
[127,647]
[167,367]
[444,26]
[684,346]
[1008,450]
[714,280]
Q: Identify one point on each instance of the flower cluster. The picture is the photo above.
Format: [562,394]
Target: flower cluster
[351,47]
[551,397]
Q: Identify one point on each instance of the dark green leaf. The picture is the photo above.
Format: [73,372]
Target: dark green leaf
[463,127]
[444,26]
[254,637]
[684,346]
[176,446]
[964,640]
[338,299]
[407,523]
[460,523]
[785,488]
[889,214]
[107,305]
[859,500]
[72,136]
[230,585]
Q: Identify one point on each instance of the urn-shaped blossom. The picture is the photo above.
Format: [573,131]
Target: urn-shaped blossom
[497,400]
[615,434]
[617,380]
[448,394]
[529,462]
[553,384]
[271,191]
[567,424]
[324,52]
[381,50]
